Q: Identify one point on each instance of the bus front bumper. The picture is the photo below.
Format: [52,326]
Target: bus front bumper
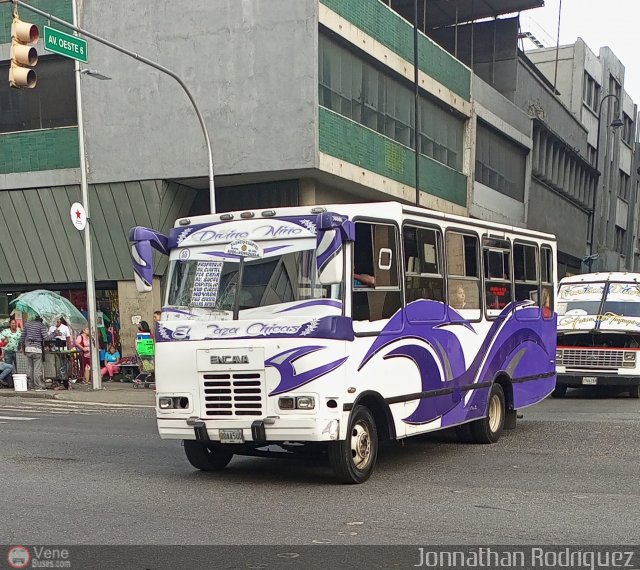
[586,378]
[269,429]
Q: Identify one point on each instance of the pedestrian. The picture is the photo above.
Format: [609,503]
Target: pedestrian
[5,370]
[11,338]
[111,362]
[62,337]
[83,344]
[157,315]
[144,328]
[33,336]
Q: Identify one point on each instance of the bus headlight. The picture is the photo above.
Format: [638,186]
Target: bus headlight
[629,359]
[165,403]
[305,402]
[297,403]
[558,356]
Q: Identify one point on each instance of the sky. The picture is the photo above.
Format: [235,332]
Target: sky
[599,23]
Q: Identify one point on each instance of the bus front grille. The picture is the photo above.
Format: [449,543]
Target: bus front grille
[233,394]
[592,358]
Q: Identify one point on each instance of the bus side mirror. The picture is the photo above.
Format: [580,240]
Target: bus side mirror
[142,259]
[143,242]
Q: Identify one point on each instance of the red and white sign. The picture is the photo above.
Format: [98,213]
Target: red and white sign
[78,216]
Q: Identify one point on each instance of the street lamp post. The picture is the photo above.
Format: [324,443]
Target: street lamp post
[616,124]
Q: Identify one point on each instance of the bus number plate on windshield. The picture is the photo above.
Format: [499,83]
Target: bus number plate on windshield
[231,436]
[589,380]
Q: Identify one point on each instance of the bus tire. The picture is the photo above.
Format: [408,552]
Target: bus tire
[560,391]
[206,457]
[354,458]
[489,428]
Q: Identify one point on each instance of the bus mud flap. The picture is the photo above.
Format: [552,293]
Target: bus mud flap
[200,429]
[258,433]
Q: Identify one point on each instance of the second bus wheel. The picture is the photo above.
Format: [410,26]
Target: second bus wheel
[210,457]
[489,429]
[354,458]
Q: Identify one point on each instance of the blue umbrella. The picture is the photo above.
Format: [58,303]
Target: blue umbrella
[50,306]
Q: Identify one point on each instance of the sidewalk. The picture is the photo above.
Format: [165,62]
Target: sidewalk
[111,393]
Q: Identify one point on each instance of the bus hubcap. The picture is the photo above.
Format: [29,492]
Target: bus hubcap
[494,413]
[360,445]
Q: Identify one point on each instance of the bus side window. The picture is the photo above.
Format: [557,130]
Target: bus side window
[376,287]
[525,272]
[497,274]
[423,264]
[463,273]
[547,297]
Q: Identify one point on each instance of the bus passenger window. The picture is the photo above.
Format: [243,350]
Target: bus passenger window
[376,288]
[525,272]
[497,274]
[423,264]
[463,279]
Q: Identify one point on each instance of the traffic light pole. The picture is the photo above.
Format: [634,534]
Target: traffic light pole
[92,313]
[161,68]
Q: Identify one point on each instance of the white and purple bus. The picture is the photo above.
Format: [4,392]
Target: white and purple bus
[337,327]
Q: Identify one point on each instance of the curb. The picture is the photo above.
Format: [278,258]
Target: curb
[12,394]
[64,397]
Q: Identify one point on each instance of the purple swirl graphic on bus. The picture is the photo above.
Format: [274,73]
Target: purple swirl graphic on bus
[513,344]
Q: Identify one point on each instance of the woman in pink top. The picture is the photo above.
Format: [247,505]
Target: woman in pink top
[83,343]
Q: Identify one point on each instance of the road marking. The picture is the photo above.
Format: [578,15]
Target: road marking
[16,418]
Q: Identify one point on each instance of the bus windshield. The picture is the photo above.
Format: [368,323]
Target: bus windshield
[623,299]
[580,299]
[220,285]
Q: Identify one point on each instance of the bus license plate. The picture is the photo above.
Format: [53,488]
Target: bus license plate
[589,380]
[231,436]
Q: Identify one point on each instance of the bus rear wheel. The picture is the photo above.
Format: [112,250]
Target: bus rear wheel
[489,429]
[354,458]
[210,457]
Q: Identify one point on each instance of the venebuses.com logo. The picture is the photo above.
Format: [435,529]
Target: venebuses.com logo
[18,557]
[38,557]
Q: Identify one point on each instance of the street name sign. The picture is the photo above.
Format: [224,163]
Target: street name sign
[67,45]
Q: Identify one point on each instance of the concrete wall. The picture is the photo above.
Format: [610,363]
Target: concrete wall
[538,101]
[252,69]
[550,212]
[134,304]
[499,112]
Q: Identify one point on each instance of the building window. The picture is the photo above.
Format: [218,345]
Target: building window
[619,240]
[51,104]
[628,129]
[500,163]
[624,186]
[591,155]
[590,92]
[363,93]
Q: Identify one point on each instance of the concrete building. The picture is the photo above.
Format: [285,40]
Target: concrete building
[592,87]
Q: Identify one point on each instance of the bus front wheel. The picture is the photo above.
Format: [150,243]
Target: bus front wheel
[489,428]
[206,457]
[354,458]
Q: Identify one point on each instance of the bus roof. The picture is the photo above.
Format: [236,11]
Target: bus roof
[382,210]
[603,276]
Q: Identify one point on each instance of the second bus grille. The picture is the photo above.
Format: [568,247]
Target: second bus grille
[603,359]
[235,394]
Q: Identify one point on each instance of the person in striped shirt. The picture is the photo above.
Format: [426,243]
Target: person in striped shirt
[34,334]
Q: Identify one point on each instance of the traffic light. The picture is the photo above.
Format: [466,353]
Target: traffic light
[23,55]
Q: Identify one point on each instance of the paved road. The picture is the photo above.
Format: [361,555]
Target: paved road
[81,474]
